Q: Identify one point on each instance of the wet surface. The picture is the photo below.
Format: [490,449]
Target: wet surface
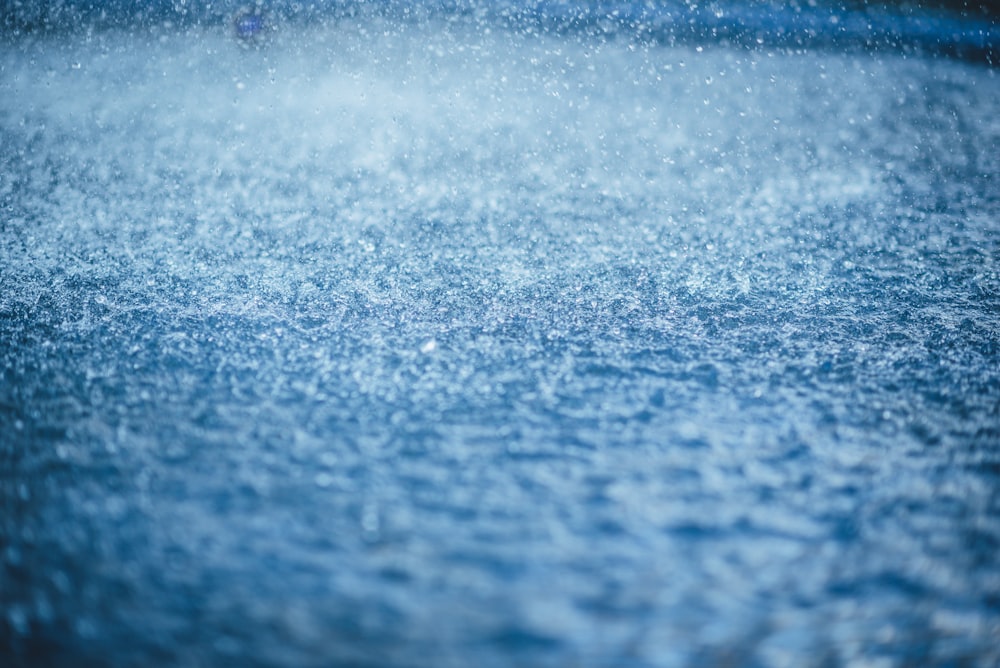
[439,343]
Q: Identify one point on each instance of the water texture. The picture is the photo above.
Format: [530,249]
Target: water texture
[443,343]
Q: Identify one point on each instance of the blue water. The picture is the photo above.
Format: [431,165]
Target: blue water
[437,342]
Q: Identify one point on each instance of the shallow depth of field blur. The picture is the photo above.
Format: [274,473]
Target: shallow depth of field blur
[517,334]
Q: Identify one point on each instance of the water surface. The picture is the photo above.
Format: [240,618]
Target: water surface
[444,343]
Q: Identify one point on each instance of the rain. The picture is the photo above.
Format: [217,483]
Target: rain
[455,333]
